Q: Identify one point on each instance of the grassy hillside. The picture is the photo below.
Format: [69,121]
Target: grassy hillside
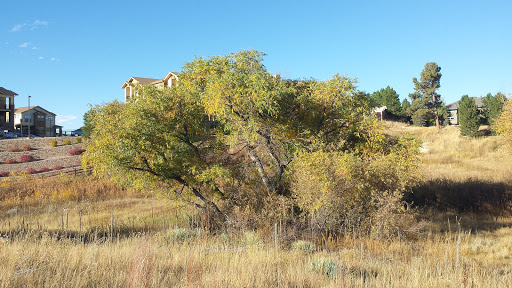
[447,155]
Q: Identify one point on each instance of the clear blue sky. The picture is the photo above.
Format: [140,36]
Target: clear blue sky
[68,54]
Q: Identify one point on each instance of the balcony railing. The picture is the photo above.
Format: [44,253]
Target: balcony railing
[5,126]
[6,107]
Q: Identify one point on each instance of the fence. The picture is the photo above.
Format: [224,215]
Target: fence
[74,170]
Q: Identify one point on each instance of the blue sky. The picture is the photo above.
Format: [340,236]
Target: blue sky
[68,54]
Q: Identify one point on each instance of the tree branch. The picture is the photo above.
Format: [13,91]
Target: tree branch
[200,196]
[257,161]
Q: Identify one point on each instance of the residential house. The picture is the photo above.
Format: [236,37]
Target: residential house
[130,86]
[40,120]
[6,109]
[453,110]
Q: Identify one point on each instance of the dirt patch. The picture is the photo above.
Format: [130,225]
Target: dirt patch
[45,156]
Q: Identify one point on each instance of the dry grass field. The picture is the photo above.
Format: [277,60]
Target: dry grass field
[76,231]
[447,155]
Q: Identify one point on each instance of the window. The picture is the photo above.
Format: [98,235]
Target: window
[49,118]
[27,118]
[40,117]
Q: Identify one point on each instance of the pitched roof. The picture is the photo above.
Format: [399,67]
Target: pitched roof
[24,109]
[148,81]
[145,81]
[4,91]
[455,105]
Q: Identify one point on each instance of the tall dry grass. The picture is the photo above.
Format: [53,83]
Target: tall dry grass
[441,260]
[86,232]
[447,155]
[461,174]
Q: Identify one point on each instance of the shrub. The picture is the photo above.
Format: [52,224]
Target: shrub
[14,148]
[67,142]
[5,174]
[346,189]
[10,161]
[53,143]
[304,246]
[31,171]
[180,234]
[250,238]
[78,140]
[57,167]
[326,266]
[26,147]
[76,151]
[26,158]
[44,169]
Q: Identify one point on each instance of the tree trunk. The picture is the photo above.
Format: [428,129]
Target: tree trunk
[435,111]
[202,198]
[256,160]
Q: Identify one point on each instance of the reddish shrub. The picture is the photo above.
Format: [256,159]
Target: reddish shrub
[31,171]
[26,158]
[10,161]
[57,167]
[5,174]
[14,148]
[76,151]
[44,169]
[26,147]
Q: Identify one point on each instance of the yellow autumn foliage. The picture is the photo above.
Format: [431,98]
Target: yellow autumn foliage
[503,124]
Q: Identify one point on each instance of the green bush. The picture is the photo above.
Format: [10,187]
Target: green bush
[53,143]
[67,142]
[250,238]
[326,266]
[78,140]
[304,246]
[180,235]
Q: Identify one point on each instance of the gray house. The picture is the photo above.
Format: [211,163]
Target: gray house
[453,110]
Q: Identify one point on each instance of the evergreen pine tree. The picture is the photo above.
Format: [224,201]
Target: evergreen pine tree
[469,116]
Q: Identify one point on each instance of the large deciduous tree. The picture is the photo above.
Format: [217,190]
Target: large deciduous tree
[469,116]
[270,117]
[226,135]
[425,100]
[158,138]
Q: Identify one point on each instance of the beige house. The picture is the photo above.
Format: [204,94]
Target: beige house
[6,109]
[130,85]
[40,120]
